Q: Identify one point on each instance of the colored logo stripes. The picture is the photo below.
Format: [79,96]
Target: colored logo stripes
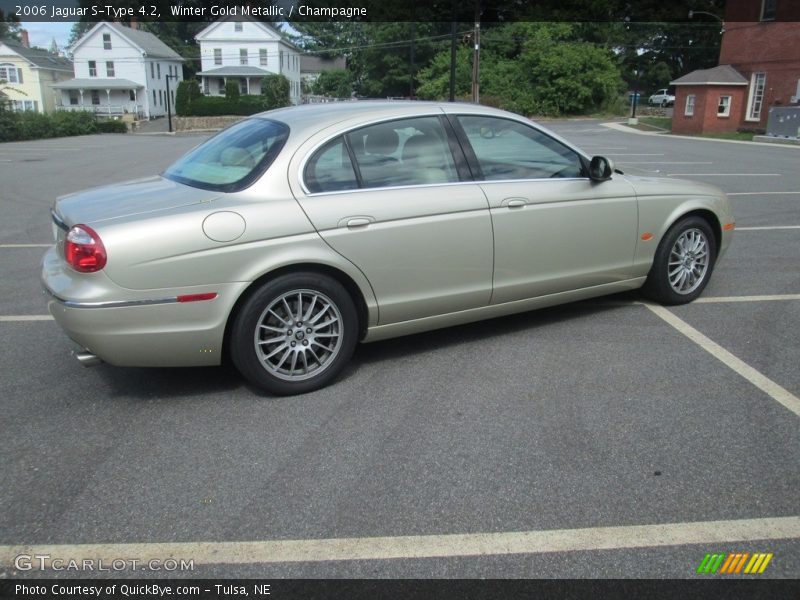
[734,563]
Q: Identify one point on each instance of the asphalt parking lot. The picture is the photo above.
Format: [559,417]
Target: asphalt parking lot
[606,438]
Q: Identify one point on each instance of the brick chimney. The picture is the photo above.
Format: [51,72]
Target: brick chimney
[134,23]
[25,39]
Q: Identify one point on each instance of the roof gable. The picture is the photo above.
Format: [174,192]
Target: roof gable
[222,30]
[38,59]
[143,41]
[721,75]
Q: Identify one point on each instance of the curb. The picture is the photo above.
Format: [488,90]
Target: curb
[626,129]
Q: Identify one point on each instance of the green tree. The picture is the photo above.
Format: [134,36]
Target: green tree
[232,91]
[337,83]
[9,26]
[275,89]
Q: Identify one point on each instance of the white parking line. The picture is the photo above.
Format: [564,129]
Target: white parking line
[768,228]
[762,382]
[759,193]
[25,245]
[636,154]
[426,546]
[724,175]
[17,318]
[659,162]
[771,298]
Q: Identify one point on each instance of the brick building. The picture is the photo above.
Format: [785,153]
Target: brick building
[759,68]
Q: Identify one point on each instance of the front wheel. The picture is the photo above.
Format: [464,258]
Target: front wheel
[683,262]
[295,333]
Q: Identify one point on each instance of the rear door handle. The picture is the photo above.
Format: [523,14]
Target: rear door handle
[515,202]
[355,222]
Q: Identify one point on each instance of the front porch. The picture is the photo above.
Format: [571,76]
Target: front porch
[249,79]
[103,97]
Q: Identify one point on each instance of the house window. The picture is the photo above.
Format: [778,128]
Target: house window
[724,106]
[154,98]
[132,95]
[237,26]
[158,66]
[73,98]
[8,72]
[92,68]
[217,56]
[205,85]
[23,105]
[109,68]
[242,85]
[152,71]
[768,10]
[689,109]
[262,57]
[95,97]
[106,41]
[172,93]
[242,56]
[161,97]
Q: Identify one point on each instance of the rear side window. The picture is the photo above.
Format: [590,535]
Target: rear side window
[330,169]
[234,158]
[402,152]
[507,149]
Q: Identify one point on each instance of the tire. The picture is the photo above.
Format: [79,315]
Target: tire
[294,334]
[683,262]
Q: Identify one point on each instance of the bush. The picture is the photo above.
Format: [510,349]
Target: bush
[275,88]
[16,126]
[232,92]
[111,127]
[188,91]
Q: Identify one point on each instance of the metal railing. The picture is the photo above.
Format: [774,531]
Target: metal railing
[105,109]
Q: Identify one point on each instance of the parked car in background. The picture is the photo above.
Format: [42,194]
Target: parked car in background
[662,97]
[289,237]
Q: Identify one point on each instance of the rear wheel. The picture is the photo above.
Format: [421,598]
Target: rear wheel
[295,333]
[683,262]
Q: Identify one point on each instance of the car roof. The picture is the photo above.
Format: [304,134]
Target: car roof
[317,116]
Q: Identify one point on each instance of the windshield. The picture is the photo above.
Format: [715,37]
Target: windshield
[234,158]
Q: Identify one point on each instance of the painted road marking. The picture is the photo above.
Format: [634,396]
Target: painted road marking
[17,318]
[774,297]
[724,175]
[659,162]
[636,154]
[762,382]
[759,193]
[427,546]
[768,228]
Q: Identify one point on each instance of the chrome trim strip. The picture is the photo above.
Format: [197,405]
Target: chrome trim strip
[111,303]
[59,223]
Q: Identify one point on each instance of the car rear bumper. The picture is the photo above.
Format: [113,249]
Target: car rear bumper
[138,328]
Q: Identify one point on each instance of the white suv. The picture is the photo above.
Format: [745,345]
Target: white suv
[661,98]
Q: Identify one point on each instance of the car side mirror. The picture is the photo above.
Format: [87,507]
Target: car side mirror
[600,168]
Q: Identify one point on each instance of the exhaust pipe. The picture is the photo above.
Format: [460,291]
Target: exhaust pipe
[87,359]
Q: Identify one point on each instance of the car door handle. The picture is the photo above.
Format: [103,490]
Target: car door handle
[355,222]
[515,202]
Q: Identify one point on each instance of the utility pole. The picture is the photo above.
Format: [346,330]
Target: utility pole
[476,57]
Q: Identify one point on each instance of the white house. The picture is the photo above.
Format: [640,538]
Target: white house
[28,74]
[246,50]
[120,70]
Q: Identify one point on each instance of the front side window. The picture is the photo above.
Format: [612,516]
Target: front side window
[234,158]
[724,106]
[508,149]
[689,110]
[403,152]
[92,68]
[8,73]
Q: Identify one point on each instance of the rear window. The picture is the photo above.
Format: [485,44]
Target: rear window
[234,158]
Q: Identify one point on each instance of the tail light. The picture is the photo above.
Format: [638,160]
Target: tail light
[84,250]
